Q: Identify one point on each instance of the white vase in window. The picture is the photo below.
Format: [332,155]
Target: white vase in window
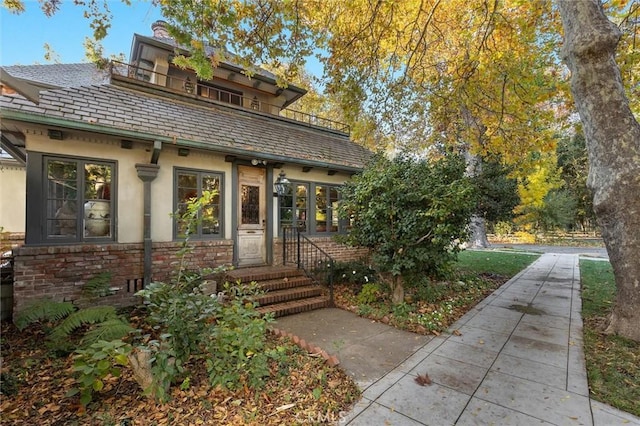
[97,217]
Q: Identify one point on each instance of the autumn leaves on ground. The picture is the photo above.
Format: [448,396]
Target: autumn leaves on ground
[34,385]
[38,377]
[299,387]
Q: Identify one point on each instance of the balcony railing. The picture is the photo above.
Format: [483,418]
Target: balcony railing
[207,91]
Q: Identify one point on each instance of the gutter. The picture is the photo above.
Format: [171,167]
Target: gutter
[9,114]
[147,174]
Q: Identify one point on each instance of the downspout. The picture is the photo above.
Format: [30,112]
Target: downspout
[147,173]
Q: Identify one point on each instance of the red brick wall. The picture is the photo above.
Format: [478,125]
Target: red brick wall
[10,240]
[60,272]
[339,252]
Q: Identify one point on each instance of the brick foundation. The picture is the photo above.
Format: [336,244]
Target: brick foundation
[60,272]
[10,240]
[339,252]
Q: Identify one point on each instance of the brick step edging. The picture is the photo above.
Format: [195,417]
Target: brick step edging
[332,360]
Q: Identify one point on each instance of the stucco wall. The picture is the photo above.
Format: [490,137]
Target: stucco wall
[13,182]
[129,189]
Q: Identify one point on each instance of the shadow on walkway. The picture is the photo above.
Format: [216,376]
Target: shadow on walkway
[518,359]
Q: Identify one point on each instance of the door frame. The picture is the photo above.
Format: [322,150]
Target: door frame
[269,206]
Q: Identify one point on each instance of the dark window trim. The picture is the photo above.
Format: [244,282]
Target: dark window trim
[310,226]
[37,193]
[200,173]
[235,96]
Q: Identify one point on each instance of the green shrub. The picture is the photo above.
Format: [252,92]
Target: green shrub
[368,294]
[410,212]
[92,365]
[402,310]
[354,272]
[182,313]
[238,339]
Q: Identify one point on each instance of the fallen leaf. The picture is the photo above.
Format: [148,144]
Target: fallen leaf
[457,333]
[423,379]
[284,407]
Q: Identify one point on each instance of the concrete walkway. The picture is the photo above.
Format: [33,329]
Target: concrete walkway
[518,359]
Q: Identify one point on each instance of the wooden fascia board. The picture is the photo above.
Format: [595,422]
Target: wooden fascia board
[28,90]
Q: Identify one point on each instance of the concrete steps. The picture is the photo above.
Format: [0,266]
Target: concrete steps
[287,290]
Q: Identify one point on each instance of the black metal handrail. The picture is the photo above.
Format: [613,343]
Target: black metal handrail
[299,250]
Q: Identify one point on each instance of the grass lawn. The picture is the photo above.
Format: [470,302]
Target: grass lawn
[488,262]
[613,363]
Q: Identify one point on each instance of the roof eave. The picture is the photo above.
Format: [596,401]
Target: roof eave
[138,38]
[23,87]
[9,114]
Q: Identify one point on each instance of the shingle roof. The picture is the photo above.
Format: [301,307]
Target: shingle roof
[60,75]
[211,126]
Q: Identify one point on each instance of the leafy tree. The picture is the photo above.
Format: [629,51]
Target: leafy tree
[410,212]
[483,73]
[498,193]
[574,167]
[533,189]
[497,197]
[612,136]
[557,211]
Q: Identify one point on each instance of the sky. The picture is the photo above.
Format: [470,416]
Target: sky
[23,36]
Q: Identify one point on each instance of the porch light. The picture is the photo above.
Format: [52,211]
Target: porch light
[282,184]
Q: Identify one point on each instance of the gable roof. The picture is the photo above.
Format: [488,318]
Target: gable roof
[131,113]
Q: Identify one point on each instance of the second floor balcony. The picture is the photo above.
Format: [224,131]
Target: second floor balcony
[190,86]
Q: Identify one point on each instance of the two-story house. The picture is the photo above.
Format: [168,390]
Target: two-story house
[111,154]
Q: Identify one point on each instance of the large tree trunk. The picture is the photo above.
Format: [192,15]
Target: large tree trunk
[613,142]
[477,224]
[478,235]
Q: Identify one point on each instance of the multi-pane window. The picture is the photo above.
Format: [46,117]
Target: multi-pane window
[77,200]
[190,185]
[316,214]
[219,94]
[250,205]
[326,209]
[293,206]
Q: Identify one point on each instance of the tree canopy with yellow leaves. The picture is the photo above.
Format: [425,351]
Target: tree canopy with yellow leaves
[482,76]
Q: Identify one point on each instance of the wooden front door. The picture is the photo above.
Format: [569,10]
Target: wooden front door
[251,216]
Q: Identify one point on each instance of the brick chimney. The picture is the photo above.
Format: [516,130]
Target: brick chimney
[159,29]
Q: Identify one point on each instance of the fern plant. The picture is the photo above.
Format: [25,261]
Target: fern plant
[110,329]
[82,317]
[43,310]
[98,286]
